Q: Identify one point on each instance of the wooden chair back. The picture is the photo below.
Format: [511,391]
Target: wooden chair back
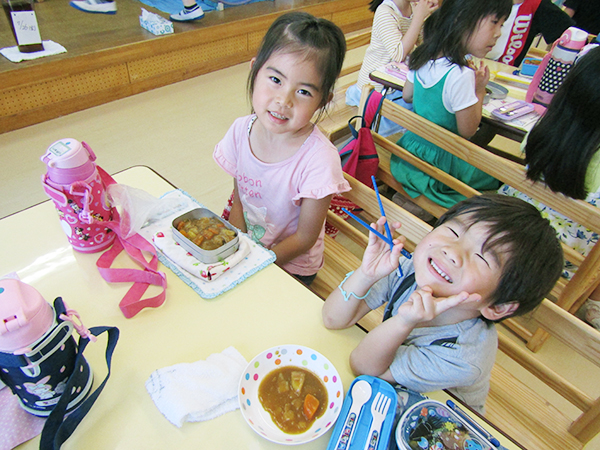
[531,419]
[568,294]
[514,407]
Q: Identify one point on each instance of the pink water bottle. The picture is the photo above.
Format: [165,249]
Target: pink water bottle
[38,354]
[560,62]
[74,183]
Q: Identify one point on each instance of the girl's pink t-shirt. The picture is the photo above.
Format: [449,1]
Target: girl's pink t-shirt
[271,194]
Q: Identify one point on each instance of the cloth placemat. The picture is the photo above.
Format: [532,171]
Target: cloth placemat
[16,425]
[50,48]
[258,258]
[166,243]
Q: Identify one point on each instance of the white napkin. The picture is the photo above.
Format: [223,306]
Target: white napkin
[165,242]
[50,48]
[198,391]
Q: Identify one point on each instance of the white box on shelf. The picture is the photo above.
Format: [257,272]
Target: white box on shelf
[155,24]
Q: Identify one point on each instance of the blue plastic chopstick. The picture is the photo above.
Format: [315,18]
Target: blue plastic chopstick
[387,239]
[377,233]
[388,232]
[387,227]
[365,224]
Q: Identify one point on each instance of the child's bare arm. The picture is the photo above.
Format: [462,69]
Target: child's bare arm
[469,118]
[378,262]
[422,11]
[376,352]
[339,312]
[407,92]
[310,223]
[236,216]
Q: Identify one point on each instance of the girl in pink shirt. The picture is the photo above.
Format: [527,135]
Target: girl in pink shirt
[285,170]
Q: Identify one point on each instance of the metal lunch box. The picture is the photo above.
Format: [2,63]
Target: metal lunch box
[205,256]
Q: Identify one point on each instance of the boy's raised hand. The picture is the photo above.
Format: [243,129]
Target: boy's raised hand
[378,260]
[422,306]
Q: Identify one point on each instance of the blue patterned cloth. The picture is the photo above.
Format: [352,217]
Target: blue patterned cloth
[569,232]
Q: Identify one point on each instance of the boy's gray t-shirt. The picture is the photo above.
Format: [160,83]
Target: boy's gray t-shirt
[457,357]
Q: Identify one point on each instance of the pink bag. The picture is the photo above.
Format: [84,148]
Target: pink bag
[78,188]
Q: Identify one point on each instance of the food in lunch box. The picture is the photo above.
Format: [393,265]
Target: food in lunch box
[432,428]
[294,397]
[208,233]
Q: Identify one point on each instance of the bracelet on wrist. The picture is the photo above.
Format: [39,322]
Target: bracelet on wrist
[347,295]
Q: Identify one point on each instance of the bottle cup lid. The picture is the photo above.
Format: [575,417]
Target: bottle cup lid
[24,315]
[67,154]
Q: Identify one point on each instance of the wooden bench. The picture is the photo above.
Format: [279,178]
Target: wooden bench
[524,414]
[568,294]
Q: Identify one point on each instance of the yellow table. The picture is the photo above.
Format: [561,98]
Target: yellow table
[268,309]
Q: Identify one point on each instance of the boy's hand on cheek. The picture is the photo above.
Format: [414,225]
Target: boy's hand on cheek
[422,306]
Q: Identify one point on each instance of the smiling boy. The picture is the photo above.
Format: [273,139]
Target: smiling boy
[487,259]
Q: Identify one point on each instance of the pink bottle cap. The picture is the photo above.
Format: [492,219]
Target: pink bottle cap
[573,38]
[24,316]
[69,160]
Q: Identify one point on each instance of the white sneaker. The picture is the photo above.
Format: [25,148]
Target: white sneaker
[184,15]
[95,6]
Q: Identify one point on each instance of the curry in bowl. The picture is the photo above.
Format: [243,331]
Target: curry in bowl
[294,397]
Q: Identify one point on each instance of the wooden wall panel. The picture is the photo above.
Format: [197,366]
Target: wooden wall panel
[254,39]
[48,92]
[82,84]
[191,56]
[33,95]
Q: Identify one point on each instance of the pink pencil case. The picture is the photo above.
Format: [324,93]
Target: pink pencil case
[513,110]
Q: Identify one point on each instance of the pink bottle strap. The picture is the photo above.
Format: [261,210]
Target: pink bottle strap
[82,189]
[135,246]
[55,194]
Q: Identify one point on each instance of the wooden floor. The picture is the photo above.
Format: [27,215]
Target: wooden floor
[111,56]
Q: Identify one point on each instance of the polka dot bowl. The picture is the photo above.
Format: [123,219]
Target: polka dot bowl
[277,357]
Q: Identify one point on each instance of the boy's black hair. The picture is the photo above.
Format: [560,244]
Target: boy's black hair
[448,29]
[562,144]
[300,32]
[535,257]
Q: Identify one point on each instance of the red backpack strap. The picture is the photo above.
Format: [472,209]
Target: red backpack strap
[372,108]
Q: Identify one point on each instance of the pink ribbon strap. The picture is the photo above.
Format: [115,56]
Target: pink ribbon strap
[73,316]
[135,246]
